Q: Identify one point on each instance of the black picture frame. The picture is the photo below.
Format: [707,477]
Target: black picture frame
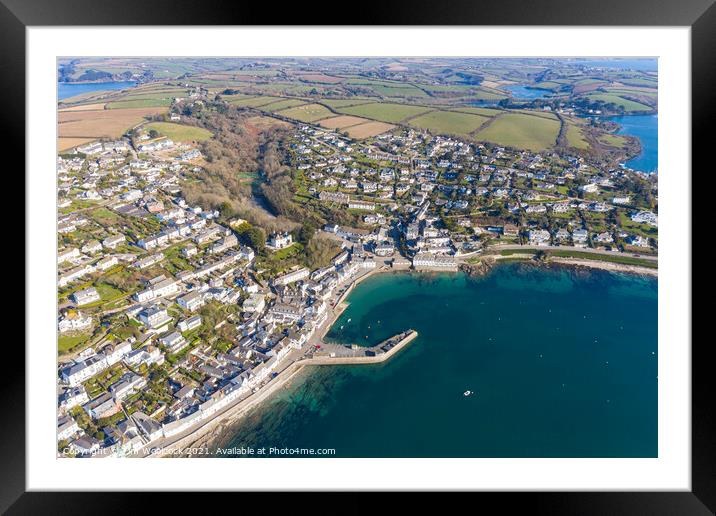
[700,15]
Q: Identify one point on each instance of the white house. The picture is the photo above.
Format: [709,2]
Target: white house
[279,240]
[191,301]
[85,297]
[190,323]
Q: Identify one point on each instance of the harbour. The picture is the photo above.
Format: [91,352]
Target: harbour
[532,346]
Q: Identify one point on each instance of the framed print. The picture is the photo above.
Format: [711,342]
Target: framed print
[454,249]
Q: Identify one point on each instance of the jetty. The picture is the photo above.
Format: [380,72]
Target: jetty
[330,353]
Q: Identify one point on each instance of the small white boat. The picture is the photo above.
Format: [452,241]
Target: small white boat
[349,320]
[467,393]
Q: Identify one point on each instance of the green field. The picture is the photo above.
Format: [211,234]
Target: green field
[641,82]
[307,113]
[152,95]
[613,140]
[250,101]
[547,85]
[398,91]
[282,104]
[575,138]
[383,112]
[448,88]
[339,103]
[180,133]
[521,132]
[479,111]
[448,122]
[544,114]
[628,105]
[140,103]
[483,94]
[636,92]
[389,88]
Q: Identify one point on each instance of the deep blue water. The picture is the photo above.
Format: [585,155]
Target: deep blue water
[66,90]
[646,128]
[563,364]
[519,91]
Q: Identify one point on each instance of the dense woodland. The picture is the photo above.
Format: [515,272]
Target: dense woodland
[246,176]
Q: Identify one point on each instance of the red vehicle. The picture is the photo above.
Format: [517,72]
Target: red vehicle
[318,346]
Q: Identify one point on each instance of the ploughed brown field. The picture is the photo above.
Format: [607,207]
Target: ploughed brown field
[368,129]
[111,123]
[64,144]
[339,122]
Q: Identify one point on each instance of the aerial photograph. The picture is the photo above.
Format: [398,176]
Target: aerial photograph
[357,257]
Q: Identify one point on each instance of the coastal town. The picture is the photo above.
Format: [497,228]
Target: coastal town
[172,313]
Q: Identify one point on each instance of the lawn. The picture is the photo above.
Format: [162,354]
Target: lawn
[66,343]
[179,132]
[107,292]
[521,131]
[449,122]
[307,113]
[384,112]
[104,216]
[287,252]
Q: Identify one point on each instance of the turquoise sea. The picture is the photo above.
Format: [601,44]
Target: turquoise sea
[70,89]
[562,364]
[646,128]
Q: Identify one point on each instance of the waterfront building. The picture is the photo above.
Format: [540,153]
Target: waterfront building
[430,260]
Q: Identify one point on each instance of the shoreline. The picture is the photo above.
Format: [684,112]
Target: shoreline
[214,429]
[607,266]
[578,263]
